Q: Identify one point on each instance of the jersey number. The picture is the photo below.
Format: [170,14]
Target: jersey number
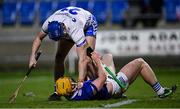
[71,11]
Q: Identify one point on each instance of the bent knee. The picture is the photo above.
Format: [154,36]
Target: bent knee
[140,60]
[108,59]
[108,56]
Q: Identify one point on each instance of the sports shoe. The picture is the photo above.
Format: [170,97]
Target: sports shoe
[54,97]
[123,95]
[119,96]
[168,91]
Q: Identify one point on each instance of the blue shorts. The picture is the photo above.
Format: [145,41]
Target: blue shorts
[91,30]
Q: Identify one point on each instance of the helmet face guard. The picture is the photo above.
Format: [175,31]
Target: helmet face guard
[55,30]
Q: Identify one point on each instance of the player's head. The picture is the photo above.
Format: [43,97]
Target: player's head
[55,30]
[65,86]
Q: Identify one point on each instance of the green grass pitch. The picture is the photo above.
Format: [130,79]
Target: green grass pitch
[41,85]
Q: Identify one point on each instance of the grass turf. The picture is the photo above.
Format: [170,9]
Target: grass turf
[41,85]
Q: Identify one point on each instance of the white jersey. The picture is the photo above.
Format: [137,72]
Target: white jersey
[76,20]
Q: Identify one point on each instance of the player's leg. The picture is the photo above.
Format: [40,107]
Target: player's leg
[108,60]
[63,48]
[139,66]
[149,76]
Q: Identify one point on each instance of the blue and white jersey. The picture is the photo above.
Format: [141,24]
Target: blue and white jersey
[90,92]
[77,22]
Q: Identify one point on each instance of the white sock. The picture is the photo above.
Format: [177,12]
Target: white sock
[160,91]
[158,88]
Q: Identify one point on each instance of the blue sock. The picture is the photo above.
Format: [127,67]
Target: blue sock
[156,86]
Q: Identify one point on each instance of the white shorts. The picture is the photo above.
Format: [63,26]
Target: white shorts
[123,78]
[116,88]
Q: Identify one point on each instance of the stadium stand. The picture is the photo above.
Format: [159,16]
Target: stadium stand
[83,4]
[45,10]
[170,10]
[111,11]
[100,10]
[27,12]
[9,13]
[178,10]
[62,4]
[118,8]
[19,38]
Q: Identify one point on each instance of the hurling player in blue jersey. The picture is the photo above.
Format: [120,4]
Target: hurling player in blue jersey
[104,86]
[68,26]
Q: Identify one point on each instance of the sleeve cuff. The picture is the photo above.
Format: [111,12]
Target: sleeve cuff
[82,43]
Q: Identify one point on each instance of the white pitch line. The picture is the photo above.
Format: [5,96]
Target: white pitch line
[120,103]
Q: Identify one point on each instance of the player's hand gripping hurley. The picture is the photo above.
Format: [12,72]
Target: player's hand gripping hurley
[13,97]
[122,85]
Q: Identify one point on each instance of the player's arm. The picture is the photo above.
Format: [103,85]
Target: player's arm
[82,63]
[100,81]
[81,47]
[35,46]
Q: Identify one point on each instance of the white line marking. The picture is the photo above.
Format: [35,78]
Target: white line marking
[120,103]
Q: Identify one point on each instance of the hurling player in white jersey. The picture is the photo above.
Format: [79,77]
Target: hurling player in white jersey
[68,26]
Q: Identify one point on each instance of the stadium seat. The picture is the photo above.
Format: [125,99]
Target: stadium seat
[63,4]
[170,10]
[178,10]
[27,12]
[9,13]
[118,7]
[45,10]
[100,11]
[82,4]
